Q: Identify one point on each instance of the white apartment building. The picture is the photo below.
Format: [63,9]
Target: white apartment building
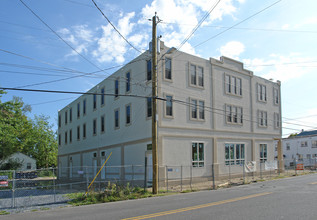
[301,148]
[210,112]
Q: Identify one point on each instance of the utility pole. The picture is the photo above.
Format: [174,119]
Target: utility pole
[154,102]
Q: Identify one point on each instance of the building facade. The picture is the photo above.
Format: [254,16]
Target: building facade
[209,112]
[301,148]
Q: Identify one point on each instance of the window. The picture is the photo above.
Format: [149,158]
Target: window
[288,147]
[314,144]
[149,70]
[128,82]
[234,154]
[66,117]
[65,137]
[149,107]
[116,88]
[308,156]
[198,154]
[169,106]
[304,144]
[233,85]
[78,132]
[128,114]
[84,131]
[70,136]
[59,120]
[116,119]
[78,109]
[262,93]
[263,153]
[276,96]
[234,114]
[94,127]
[277,123]
[102,97]
[84,107]
[262,116]
[59,139]
[196,75]
[94,101]
[168,68]
[314,155]
[28,166]
[149,147]
[197,109]
[70,114]
[102,123]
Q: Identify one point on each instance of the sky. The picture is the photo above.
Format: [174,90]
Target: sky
[50,44]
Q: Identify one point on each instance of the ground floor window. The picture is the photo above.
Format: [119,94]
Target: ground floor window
[263,153]
[234,154]
[198,157]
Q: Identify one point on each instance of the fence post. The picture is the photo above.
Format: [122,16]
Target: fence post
[166,179]
[181,178]
[54,182]
[87,178]
[213,176]
[295,166]
[13,189]
[243,172]
[278,167]
[260,169]
[145,172]
[132,167]
[229,182]
[191,177]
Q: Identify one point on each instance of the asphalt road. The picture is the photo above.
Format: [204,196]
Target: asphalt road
[289,199]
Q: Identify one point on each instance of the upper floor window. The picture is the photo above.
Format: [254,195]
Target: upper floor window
[65,137]
[116,118]
[198,156]
[262,118]
[84,107]
[314,143]
[78,109]
[234,154]
[288,147]
[233,85]
[94,101]
[94,128]
[149,70]
[116,88]
[263,153]
[149,107]
[196,75]
[169,106]
[70,114]
[66,117]
[128,82]
[84,130]
[102,124]
[262,96]
[70,136]
[168,69]
[59,120]
[102,97]
[197,109]
[128,114]
[234,114]
[277,122]
[276,96]
[59,139]
[78,132]
[304,144]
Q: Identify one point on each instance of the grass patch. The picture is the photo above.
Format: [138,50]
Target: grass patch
[4,213]
[44,208]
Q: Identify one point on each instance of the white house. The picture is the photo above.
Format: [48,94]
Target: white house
[301,148]
[210,112]
[28,163]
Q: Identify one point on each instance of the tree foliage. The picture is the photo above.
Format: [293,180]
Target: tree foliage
[19,133]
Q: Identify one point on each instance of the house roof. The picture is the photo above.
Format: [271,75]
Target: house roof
[307,133]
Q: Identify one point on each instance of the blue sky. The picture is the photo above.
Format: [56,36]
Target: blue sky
[279,43]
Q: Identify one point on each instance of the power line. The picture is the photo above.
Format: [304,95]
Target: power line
[115,28]
[58,35]
[198,25]
[237,24]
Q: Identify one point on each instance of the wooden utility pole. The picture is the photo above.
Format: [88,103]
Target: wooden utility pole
[154,117]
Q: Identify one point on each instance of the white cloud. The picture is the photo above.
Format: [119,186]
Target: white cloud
[232,49]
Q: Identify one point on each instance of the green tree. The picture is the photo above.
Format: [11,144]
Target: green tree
[19,133]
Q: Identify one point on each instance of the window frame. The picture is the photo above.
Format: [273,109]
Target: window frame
[276,96]
[128,82]
[116,88]
[166,106]
[232,87]
[94,100]
[70,136]
[84,106]
[262,92]
[94,127]
[196,76]
[128,106]
[66,113]
[102,124]
[148,71]
[262,119]
[65,138]
[84,131]
[149,107]
[277,121]
[232,157]
[198,161]
[102,96]
[78,110]
[116,120]
[70,115]
[78,132]
[165,69]
[235,113]
[195,104]
[263,153]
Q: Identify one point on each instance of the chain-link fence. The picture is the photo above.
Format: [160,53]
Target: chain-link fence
[49,186]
